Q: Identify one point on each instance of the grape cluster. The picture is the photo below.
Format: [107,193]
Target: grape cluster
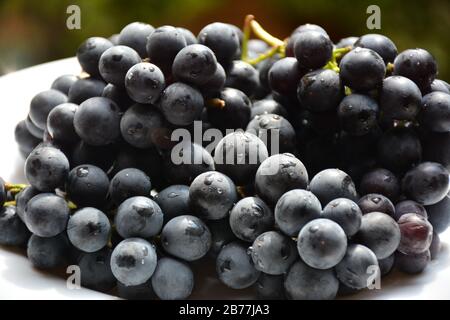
[105,194]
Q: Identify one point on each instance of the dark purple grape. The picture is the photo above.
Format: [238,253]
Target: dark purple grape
[412,263]
[362,69]
[135,36]
[435,114]
[428,183]
[417,65]
[320,90]
[163,45]
[380,44]
[380,181]
[312,49]
[416,234]
[373,202]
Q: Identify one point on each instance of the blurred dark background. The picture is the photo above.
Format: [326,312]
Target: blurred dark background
[32,31]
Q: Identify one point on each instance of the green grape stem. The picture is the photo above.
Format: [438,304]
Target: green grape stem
[278,46]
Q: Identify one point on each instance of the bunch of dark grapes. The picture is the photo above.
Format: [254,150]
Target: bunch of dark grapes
[106,194]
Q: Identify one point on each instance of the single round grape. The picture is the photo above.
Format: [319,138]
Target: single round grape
[212,195]
[358,114]
[142,125]
[416,234]
[234,113]
[305,283]
[64,83]
[13,231]
[87,186]
[222,39]
[435,114]
[439,215]
[322,244]
[172,280]
[195,65]
[129,183]
[284,76]
[295,209]
[89,229]
[133,261]
[115,63]
[60,123]
[163,45]
[46,215]
[428,183]
[362,69]
[97,121]
[84,89]
[46,168]
[417,65]
[144,83]
[380,44]
[89,54]
[345,213]
[181,104]
[399,100]
[249,218]
[358,267]
[239,155]
[235,267]
[380,233]
[276,132]
[186,237]
[374,202]
[412,263]
[409,206]
[312,49]
[174,201]
[331,184]
[138,217]
[49,253]
[95,270]
[399,149]
[381,181]
[134,35]
[279,174]
[273,253]
[42,104]
[320,90]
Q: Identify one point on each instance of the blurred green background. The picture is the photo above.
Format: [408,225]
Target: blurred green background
[32,31]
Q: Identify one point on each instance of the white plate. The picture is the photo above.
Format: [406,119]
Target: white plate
[18,280]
